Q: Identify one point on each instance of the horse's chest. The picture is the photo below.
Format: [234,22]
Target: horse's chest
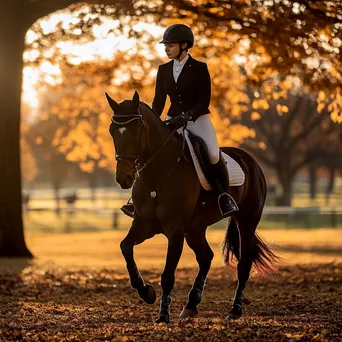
[145,200]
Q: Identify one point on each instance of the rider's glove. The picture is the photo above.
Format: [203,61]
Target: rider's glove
[180,120]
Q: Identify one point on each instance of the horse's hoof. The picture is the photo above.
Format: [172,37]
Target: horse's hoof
[148,294]
[188,313]
[163,319]
[235,313]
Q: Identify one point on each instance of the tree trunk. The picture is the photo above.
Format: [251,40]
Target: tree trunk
[313,181]
[92,178]
[57,201]
[12,241]
[330,185]
[285,198]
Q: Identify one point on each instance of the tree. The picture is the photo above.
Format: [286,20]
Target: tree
[15,19]
[28,162]
[52,161]
[288,135]
[309,30]
[328,158]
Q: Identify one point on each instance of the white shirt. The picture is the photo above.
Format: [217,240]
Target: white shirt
[178,66]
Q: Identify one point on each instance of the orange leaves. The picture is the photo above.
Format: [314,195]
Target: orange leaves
[260,104]
[281,109]
[336,106]
[255,116]
[332,103]
[39,140]
[262,145]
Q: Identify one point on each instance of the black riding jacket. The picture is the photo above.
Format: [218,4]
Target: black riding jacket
[191,92]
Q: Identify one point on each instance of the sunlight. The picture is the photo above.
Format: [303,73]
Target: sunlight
[104,47]
[31,77]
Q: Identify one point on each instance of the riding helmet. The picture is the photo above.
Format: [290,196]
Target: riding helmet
[178,33]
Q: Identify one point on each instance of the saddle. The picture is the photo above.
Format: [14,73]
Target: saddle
[200,158]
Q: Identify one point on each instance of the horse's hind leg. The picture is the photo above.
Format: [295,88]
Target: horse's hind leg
[137,234]
[243,243]
[204,255]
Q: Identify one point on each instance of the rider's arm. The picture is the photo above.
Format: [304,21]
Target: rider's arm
[204,92]
[158,103]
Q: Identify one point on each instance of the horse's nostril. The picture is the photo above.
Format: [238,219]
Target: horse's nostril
[124,180]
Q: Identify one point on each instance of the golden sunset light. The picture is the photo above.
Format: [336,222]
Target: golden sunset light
[104,47]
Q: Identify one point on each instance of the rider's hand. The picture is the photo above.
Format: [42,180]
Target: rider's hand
[180,120]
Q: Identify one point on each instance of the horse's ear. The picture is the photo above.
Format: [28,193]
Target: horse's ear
[135,102]
[112,103]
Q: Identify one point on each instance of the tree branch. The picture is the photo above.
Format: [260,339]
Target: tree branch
[261,155]
[306,131]
[37,9]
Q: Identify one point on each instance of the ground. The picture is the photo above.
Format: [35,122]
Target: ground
[70,293]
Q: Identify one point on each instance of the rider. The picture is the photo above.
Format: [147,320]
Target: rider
[187,82]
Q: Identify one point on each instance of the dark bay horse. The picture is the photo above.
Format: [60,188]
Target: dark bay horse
[168,199]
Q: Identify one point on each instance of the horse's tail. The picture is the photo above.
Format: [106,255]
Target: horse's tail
[263,258]
[231,243]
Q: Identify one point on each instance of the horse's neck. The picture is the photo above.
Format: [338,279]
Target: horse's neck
[158,133]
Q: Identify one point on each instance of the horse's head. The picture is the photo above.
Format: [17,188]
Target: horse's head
[126,129]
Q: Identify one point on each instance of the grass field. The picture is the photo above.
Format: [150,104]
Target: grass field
[101,249]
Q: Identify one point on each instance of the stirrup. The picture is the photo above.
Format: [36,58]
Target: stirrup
[128,209]
[230,207]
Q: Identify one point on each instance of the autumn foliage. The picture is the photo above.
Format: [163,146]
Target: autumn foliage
[271,47]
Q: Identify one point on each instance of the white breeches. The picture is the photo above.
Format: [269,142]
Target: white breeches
[204,129]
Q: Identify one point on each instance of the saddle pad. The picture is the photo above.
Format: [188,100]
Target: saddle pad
[236,174]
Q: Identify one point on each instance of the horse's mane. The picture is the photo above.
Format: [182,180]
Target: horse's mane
[148,107]
[126,106]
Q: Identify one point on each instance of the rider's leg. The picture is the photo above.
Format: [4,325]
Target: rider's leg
[226,202]
[204,129]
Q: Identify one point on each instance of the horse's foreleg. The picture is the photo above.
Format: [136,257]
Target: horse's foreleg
[137,234]
[204,255]
[174,251]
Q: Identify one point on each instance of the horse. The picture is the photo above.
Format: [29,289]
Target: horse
[169,200]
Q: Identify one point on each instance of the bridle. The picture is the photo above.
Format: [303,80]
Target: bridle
[130,118]
[138,167]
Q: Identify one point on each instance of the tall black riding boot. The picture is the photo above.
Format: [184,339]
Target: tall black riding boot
[226,202]
[128,209]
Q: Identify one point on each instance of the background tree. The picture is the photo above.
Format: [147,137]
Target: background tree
[52,161]
[328,158]
[28,161]
[289,141]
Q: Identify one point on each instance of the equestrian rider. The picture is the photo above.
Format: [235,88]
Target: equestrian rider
[187,82]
